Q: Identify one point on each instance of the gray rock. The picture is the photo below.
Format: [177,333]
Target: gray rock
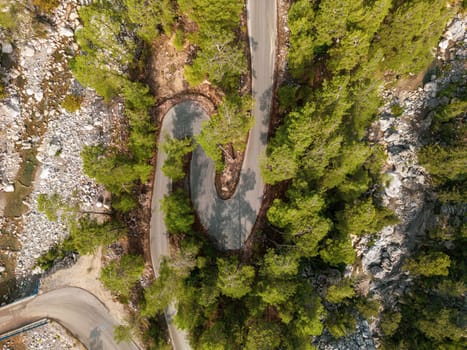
[7,47]
[28,51]
[9,188]
[432,86]
[67,32]
[456,31]
[443,44]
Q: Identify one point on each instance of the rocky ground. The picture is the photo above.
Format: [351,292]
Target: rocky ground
[32,119]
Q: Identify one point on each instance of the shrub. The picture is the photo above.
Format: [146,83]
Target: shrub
[46,6]
[178,213]
[397,110]
[120,276]
[72,103]
[337,293]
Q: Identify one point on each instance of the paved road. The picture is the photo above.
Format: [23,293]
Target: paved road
[75,309]
[229,222]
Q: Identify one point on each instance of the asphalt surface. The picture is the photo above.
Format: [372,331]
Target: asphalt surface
[229,222]
[75,309]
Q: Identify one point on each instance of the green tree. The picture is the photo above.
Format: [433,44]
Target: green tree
[116,172]
[263,335]
[120,276]
[49,205]
[337,293]
[409,34]
[362,217]
[122,333]
[429,264]
[390,322]
[340,323]
[162,291]
[280,264]
[149,15]
[178,213]
[234,280]
[301,220]
[87,234]
[338,251]
[229,126]
[176,151]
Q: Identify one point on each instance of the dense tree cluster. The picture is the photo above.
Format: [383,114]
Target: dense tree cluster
[220,55]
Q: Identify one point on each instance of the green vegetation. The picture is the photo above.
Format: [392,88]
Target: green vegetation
[263,301]
[122,333]
[409,33]
[319,155]
[50,205]
[228,127]
[72,103]
[178,214]
[150,15]
[397,110]
[338,292]
[86,235]
[57,253]
[176,151]
[120,276]
[444,157]
[46,6]
[220,56]
[106,60]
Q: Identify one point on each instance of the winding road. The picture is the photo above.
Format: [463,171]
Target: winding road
[229,222]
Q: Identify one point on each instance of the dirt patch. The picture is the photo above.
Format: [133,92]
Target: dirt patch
[85,274]
[166,67]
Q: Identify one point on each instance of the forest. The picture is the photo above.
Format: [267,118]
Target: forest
[325,173]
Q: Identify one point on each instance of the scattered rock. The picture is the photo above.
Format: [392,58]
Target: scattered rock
[6,47]
[67,32]
[28,51]
[9,188]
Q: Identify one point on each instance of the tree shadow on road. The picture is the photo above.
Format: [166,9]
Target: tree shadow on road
[95,341]
[230,221]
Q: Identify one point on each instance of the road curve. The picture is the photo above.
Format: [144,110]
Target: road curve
[229,222]
[75,309]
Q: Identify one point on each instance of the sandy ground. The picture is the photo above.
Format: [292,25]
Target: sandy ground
[85,274]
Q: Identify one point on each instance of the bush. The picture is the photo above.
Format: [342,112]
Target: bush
[178,213]
[72,103]
[429,264]
[339,292]
[120,276]
[397,110]
[390,322]
[46,6]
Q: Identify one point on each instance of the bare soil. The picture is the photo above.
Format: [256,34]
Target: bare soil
[85,274]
